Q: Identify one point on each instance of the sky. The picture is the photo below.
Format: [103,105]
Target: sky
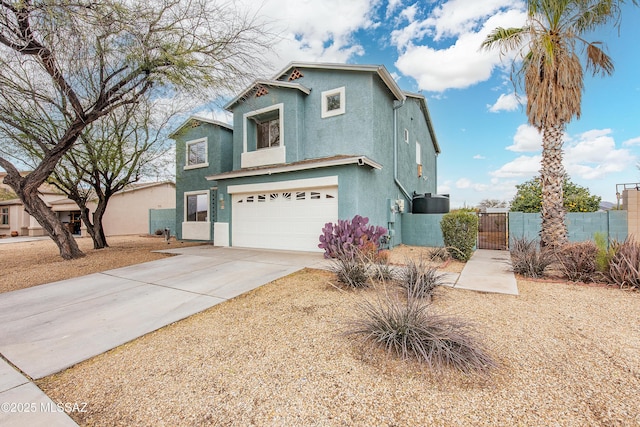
[433,48]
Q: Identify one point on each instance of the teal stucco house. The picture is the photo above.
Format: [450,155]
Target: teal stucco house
[318,143]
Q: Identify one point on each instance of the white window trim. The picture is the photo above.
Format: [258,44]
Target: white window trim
[187,166]
[195,193]
[406,135]
[263,156]
[249,115]
[343,102]
[418,153]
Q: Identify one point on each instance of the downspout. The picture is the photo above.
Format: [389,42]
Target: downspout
[396,105]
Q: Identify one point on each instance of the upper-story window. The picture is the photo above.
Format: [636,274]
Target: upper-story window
[196,154]
[268,133]
[263,137]
[406,136]
[333,102]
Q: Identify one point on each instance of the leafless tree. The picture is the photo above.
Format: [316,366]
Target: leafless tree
[66,64]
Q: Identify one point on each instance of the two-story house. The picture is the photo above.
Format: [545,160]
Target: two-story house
[318,143]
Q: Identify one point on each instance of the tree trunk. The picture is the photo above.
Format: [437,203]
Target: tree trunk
[95,228]
[554,230]
[61,235]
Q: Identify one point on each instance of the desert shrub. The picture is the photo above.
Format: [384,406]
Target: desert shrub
[459,231]
[351,269]
[407,329]
[439,254]
[528,259]
[419,279]
[380,269]
[349,236]
[603,257]
[577,261]
[624,266]
[159,232]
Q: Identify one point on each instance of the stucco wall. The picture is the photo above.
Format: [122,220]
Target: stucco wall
[128,212]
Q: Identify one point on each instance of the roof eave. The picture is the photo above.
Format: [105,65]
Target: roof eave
[272,83]
[358,160]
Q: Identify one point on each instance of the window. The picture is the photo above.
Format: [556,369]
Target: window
[4,216]
[268,133]
[419,159]
[333,102]
[196,154]
[406,136]
[197,207]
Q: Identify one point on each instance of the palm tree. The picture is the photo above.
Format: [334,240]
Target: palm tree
[550,46]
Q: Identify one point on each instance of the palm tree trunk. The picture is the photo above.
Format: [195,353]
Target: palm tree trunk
[554,230]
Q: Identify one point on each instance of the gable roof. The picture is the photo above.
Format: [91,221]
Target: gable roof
[200,119]
[425,111]
[271,83]
[380,70]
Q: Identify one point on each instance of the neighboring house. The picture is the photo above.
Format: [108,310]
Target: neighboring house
[318,143]
[127,212]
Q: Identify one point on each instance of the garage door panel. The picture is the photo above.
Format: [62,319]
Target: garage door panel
[285,219]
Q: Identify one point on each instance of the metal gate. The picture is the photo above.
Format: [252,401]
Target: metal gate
[492,231]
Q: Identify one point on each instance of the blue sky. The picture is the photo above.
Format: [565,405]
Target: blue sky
[432,47]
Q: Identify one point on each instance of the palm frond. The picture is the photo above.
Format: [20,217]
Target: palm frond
[507,39]
[598,62]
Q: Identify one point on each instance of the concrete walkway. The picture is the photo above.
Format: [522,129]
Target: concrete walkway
[488,271]
[48,328]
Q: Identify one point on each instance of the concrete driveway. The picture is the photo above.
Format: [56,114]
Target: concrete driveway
[48,328]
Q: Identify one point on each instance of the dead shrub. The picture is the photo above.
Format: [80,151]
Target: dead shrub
[624,266]
[528,259]
[578,261]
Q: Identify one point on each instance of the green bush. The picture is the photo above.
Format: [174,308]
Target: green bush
[460,231]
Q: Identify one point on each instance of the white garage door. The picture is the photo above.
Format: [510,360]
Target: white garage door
[283,219]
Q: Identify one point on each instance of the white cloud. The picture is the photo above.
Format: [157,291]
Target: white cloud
[464,183]
[589,155]
[631,142]
[314,31]
[523,166]
[479,157]
[526,139]
[506,102]
[593,155]
[460,64]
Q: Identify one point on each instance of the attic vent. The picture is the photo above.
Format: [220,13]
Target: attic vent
[262,91]
[195,123]
[295,75]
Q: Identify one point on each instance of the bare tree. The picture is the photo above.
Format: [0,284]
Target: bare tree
[117,150]
[69,63]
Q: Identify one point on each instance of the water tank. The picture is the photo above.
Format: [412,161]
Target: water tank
[430,204]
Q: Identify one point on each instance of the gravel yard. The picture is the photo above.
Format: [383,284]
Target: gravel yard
[33,263]
[569,355]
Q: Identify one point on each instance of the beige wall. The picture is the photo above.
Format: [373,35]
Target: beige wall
[631,202]
[128,211]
